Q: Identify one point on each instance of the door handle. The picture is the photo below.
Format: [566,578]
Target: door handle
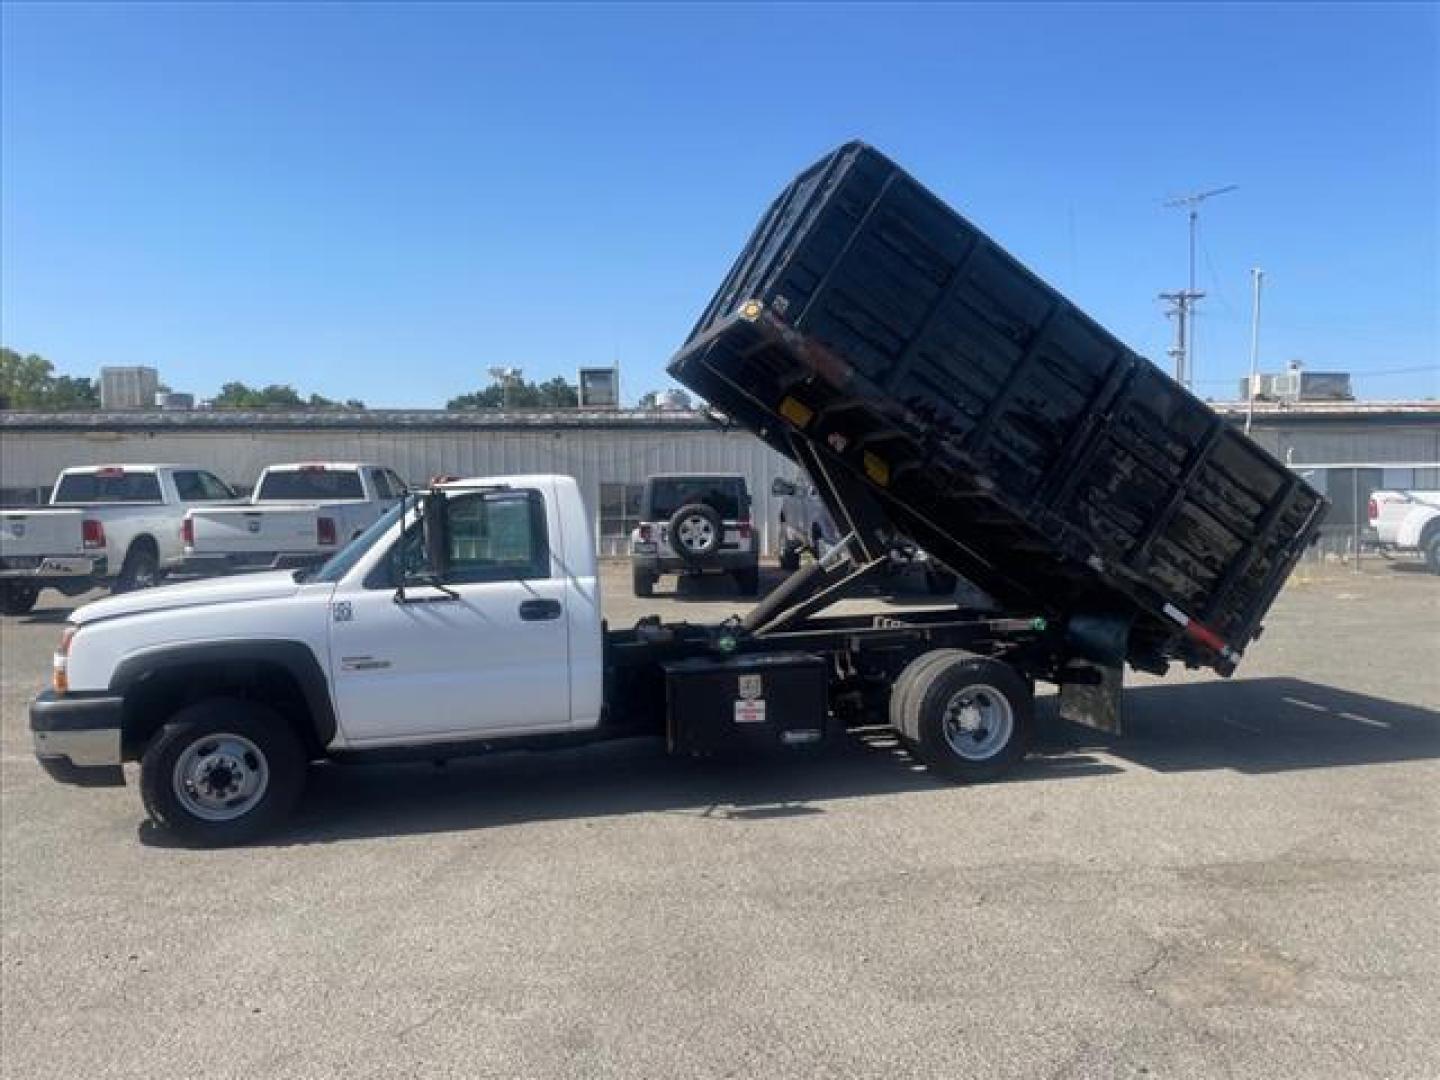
[539,610]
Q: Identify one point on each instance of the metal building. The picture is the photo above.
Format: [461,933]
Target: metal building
[612,452]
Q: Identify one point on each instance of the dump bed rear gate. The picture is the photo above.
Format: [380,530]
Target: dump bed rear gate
[1003,429]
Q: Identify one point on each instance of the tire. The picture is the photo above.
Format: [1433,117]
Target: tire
[141,569]
[967,717]
[904,684]
[789,558]
[748,581]
[247,747]
[1432,552]
[643,582]
[18,597]
[695,531]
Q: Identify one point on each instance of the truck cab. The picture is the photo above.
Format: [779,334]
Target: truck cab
[224,689]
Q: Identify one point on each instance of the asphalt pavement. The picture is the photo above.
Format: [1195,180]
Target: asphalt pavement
[1245,884]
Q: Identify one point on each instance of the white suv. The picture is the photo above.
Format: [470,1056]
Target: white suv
[695,523]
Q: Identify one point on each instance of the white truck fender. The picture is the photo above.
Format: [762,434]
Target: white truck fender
[1412,528]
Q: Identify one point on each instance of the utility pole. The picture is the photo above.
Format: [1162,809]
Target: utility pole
[1182,310]
[1185,361]
[1257,277]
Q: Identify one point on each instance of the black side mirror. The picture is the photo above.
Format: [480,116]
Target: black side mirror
[780,487]
[434,529]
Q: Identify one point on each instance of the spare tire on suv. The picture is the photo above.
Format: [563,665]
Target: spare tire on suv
[695,531]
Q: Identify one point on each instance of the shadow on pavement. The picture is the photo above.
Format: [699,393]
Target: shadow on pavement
[1258,726]
[1252,726]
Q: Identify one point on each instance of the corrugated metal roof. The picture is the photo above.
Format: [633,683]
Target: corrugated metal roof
[358,420]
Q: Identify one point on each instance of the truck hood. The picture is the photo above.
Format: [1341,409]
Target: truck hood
[231,590]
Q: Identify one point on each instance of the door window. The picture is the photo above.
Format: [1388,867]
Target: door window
[195,486]
[493,536]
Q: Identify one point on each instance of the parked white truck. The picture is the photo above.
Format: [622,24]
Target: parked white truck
[1408,521]
[299,514]
[116,525]
[467,620]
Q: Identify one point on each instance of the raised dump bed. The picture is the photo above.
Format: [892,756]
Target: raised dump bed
[1000,427]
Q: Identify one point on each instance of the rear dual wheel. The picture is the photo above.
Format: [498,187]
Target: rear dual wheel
[967,717]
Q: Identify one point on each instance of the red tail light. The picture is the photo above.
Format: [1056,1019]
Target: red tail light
[92,532]
[1374,510]
[187,532]
[325,531]
[645,532]
[744,528]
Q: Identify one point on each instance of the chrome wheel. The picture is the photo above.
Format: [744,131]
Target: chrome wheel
[978,722]
[221,777]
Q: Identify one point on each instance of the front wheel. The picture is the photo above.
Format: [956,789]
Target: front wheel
[789,557]
[965,716]
[1432,553]
[222,772]
[18,597]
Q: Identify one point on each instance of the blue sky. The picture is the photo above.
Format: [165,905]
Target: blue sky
[383,202]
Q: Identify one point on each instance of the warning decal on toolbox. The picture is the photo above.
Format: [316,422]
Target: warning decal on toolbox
[751,711]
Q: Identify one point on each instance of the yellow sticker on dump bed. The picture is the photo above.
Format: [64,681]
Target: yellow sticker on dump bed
[797,412]
[877,469]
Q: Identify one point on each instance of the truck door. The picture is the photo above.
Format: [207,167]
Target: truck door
[487,654]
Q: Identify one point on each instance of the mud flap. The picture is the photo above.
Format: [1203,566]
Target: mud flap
[1090,694]
[1092,677]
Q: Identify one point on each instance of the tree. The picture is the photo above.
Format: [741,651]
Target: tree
[236,395]
[557,393]
[30,382]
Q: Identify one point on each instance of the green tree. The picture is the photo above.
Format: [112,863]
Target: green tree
[237,395]
[30,382]
[557,393]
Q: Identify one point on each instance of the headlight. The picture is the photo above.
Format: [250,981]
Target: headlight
[60,676]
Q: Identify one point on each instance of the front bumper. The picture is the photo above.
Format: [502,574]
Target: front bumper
[77,737]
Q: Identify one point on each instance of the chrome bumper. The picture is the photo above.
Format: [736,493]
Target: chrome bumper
[77,737]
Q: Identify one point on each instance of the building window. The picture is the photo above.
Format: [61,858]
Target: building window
[619,514]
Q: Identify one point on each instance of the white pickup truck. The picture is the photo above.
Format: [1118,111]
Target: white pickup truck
[1408,521]
[467,619]
[105,524]
[300,514]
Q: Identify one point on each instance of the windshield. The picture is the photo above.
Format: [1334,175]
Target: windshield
[300,484]
[109,485]
[339,564]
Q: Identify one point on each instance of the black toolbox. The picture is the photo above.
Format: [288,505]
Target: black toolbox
[762,702]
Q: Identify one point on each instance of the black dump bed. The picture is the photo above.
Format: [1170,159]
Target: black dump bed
[1001,428]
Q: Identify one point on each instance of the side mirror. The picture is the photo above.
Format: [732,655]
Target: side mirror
[781,488]
[434,530]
